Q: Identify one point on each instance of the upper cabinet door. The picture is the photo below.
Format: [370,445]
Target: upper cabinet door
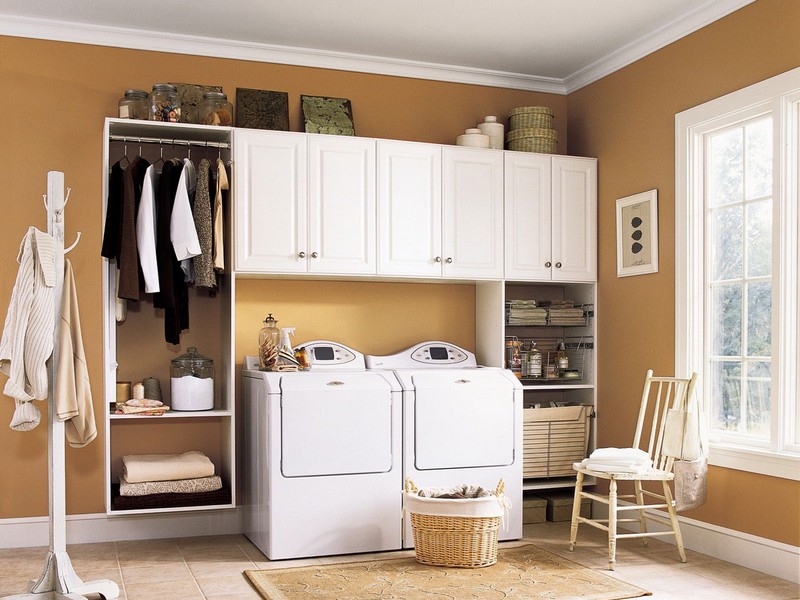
[341,205]
[574,219]
[270,201]
[409,209]
[528,211]
[472,214]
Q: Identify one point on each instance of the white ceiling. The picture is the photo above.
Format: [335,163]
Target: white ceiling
[544,45]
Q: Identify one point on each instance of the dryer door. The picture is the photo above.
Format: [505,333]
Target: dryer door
[463,418]
[335,424]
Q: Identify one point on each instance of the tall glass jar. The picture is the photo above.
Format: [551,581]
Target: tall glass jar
[192,381]
[165,104]
[269,343]
[134,105]
[216,110]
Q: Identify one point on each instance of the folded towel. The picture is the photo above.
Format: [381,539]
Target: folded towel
[633,454]
[459,491]
[595,465]
[180,486]
[137,468]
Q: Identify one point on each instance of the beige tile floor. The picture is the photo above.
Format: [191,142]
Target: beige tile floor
[211,567]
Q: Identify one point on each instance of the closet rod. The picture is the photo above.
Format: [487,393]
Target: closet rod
[167,141]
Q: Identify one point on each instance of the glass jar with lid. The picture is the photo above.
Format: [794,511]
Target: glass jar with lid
[215,109]
[134,104]
[165,104]
[269,343]
[192,381]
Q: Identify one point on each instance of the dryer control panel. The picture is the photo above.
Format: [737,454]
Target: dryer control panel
[323,354]
[427,354]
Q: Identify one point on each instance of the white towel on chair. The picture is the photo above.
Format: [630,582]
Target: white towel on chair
[605,467]
[625,455]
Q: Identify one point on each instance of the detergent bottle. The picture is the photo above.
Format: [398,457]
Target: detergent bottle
[286,359]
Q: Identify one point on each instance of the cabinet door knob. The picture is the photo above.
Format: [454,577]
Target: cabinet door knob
[302,255]
[449,260]
[548,264]
[558,265]
[314,255]
[438,259]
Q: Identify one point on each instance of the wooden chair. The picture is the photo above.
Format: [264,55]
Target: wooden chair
[659,395]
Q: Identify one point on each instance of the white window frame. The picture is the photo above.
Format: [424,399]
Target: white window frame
[779,96]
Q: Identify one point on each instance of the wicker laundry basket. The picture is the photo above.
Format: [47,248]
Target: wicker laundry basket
[455,532]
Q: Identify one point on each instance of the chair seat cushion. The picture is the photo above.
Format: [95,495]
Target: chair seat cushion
[649,475]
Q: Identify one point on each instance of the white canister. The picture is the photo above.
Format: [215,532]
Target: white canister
[474,138]
[494,130]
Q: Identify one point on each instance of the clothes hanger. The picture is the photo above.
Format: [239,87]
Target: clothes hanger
[125,154]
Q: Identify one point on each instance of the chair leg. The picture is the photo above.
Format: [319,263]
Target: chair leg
[673,518]
[576,511]
[642,516]
[612,524]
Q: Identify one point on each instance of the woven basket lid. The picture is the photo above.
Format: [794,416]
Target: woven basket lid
[526,110]
[516,134]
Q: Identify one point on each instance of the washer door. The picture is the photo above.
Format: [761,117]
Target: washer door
[463,419]
[335,424]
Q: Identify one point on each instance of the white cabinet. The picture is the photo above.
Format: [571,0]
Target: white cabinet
[550,217]
[440,211]
[409,209]
[304,204]
[472,213]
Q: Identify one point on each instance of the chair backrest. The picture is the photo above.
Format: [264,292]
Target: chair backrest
[660,394]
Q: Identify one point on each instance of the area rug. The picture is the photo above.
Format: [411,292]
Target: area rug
[521,573]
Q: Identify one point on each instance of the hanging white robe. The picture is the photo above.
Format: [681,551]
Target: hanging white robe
[146,232]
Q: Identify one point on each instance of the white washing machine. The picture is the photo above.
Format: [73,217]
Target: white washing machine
[323,463]
[461,423]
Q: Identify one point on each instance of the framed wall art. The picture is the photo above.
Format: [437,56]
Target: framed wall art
[327,115]
[637,234]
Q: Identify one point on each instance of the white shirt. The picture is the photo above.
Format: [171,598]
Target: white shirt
[182,232]
[146,232]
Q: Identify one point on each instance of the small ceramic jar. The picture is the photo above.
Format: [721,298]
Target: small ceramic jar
[473,138]
[494,130]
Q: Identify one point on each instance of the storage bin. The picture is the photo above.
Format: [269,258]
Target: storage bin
[544,141]
[534,510]
[553,438]
[530,117]
[455,532]
[559,506]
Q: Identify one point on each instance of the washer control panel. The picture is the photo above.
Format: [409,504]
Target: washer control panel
[427,354]
[323,354]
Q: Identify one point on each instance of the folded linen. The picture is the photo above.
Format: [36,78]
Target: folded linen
[137,468]
[595,465]
[627,454]
[178,486]
[459,491]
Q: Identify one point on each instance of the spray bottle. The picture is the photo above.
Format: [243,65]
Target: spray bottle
[286,360]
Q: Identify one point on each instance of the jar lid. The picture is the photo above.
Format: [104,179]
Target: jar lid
[192,359]
[165,87]
[270,320]
[490,120]
[473,130]
[136,93]
[214,96]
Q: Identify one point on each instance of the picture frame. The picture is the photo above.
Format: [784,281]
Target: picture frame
[637,234]
[323,114]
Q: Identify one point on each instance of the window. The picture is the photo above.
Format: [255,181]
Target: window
[737,282]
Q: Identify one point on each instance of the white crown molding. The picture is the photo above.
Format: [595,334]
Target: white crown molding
[140,39]
[707,13]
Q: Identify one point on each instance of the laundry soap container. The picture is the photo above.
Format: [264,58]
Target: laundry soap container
[192,381]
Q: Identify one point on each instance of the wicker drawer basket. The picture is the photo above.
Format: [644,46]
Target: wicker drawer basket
[453,540]
[553,438]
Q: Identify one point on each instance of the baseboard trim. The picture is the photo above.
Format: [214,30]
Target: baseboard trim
[757,553]
[85,529]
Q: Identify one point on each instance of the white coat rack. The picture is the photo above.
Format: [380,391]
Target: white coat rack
[58,580]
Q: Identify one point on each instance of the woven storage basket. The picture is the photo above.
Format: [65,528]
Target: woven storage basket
[533,140]
[450,540]
[530,117]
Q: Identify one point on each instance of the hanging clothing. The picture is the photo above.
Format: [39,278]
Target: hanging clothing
[173,296]
[203,263]
[73,393]
[27,340]
[219,229]
[146,231]
[182,230]
[132,182]
[112,231]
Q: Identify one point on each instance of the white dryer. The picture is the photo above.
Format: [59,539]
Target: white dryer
[461,423]
[323,466]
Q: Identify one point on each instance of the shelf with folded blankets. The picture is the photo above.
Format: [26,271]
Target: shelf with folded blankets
[174,414]
[163,482]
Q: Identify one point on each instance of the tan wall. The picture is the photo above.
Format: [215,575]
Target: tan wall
[54,99]
[627,120]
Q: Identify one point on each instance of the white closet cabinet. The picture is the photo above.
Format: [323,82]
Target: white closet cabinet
[550,217]
[409,209]
[304,203]
[472,213]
